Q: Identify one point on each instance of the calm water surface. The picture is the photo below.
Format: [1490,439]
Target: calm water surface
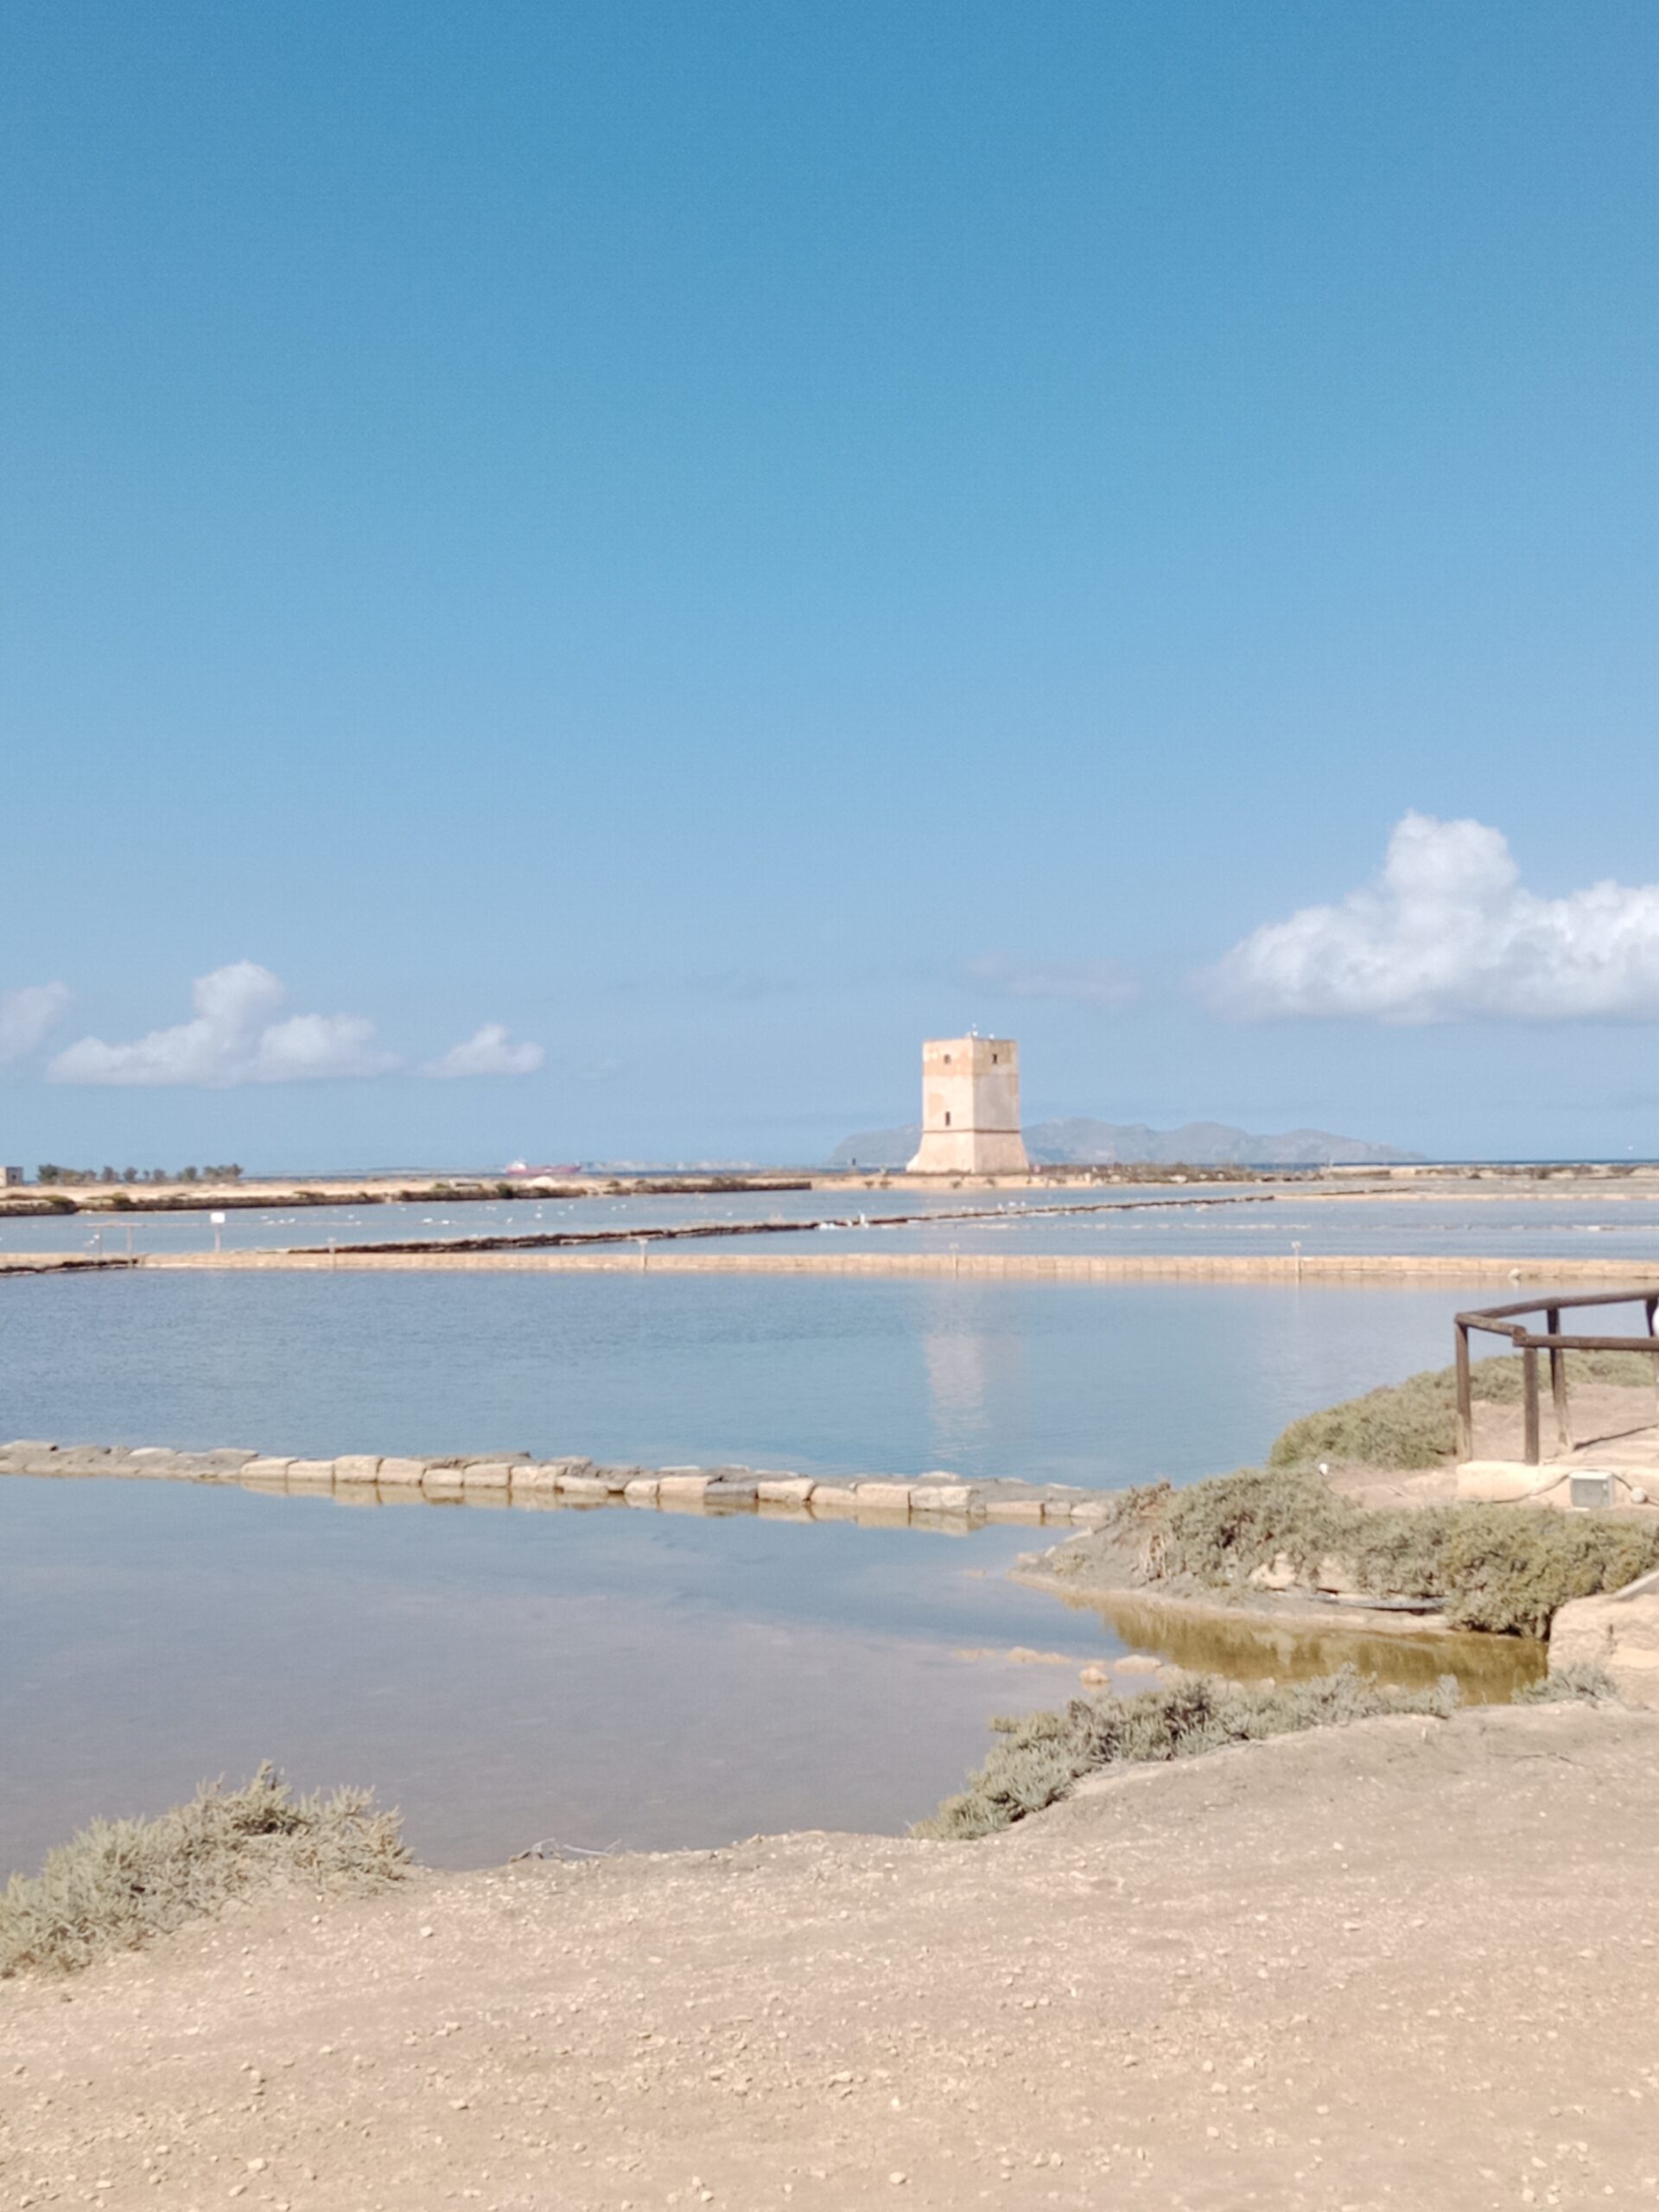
[596,1677]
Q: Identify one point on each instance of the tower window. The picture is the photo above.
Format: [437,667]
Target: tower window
[947,1121]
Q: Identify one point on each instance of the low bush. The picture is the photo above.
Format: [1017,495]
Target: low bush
[1042,1756]
[1579,1682]
[1414,1423]
[120,1883]
[1503,1568]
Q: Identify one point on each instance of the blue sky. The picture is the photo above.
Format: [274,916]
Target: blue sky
[714,542]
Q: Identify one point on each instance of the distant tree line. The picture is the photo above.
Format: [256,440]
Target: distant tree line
[48,1172]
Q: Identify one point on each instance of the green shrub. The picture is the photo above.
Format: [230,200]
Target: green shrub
[1041,1756]
[1579,1682]
[120,1883]
[1414,1423]
[1504,1569]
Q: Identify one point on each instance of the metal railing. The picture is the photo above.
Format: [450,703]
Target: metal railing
[1499,1321]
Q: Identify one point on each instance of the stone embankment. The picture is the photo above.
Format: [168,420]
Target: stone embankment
[937,1500]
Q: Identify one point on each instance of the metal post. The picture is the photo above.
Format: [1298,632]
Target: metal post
[1466,1397]
[1558,1378]
[1530,1392]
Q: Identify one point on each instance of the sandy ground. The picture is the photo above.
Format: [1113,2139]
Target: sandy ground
[1408,1964]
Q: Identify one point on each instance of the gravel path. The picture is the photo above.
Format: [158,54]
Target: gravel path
[1398,1967]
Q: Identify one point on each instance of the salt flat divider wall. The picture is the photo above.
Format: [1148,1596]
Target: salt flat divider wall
[1066,1267]
[939,1501]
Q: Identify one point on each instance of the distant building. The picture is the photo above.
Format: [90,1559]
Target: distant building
[970,1108]
[10,1178]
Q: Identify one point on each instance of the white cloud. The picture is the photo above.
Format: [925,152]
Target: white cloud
[1104,985]
[489,1051]
[1447,932]
[233,1039]
[27,1015]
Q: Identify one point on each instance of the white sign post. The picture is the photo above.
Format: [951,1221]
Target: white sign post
[218,1220]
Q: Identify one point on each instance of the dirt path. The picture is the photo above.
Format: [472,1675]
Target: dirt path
[1406,1965]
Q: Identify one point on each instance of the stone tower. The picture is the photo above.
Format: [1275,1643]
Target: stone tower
[970,1108]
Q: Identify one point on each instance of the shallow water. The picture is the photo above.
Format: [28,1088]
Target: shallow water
[610,1676]
[1232,1220]
[508,1678]
[1099,1383]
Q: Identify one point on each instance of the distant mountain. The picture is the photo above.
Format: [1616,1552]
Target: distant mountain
[1083,1143]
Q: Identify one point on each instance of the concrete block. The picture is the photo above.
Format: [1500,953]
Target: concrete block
[442,1483]
[265,1470]
[486,1474]
[784,1490]
[642,1490]
[401,1474]
[357,1468]
[318,1474]
[884,1497]
[577,1477]
[582,1490]
[732,1490]
[942,1497]
[535,1474]
[834,1501]
[681,1486]
[1013,1509]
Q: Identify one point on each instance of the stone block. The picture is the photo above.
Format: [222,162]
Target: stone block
[266,1471]
[442,1483]
[1617,1632]
[942,1497]
[357,1468]
[784,1490]
[1013,1509]
[642,1490]
[579,1478]
[402,1474]
[731,1496]
[834,1500]
[681,1486]
[88,1460]
[486,1474]
[317,1474]
[583,1490]
[882,1496]
[535,1474]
